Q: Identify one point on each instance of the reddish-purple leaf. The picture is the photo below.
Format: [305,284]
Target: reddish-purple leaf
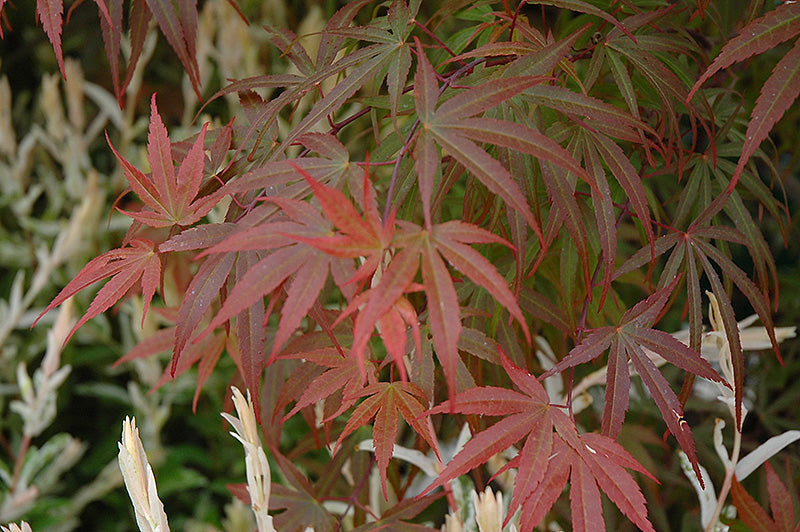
[612,478]
[778,93]
[605,218]
[627,342]
[139,22]
[598,115]
[112,33]
[394,281]
[385,402]
[250,331]
[618,390]
[301,294]
[450,238]
[584,499]
[444,312]
[547,492]
[49,13]
[339,210]
[666,401]
[374,58]
[629,180]
[675,352]
[343,374]
[426,89]
[159,342]
[427,162]
[178,23]
[749,511]
[125,266]
[489,171]
[201,292]
[780,500]
[584,7]
[171,197]
[731,333]
[761,35]
[259,279]
[483,97]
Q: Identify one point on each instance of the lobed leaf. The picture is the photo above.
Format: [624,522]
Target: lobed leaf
[138,261]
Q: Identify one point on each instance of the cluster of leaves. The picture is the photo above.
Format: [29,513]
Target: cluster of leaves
[472,178]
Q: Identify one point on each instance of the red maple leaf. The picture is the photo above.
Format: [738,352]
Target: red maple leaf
[172,198]
[780,501]
[552,452]
[385,401]
[137,261]
[629,340]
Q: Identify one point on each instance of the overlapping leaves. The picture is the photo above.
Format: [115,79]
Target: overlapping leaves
[552,452]
[632,340]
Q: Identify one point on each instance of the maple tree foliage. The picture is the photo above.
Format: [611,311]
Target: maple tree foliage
[780,502]
[390,258]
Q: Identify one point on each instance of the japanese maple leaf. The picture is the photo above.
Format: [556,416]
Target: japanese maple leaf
[137,261]
[629,341]
[304,246]
[454,127]
[302,501]
[204,354]
[779,92]
[552,448]
[171,197]
[780,502]
[392,327]
[393,519]
[599,464]
[693,246]
[343,374]
[385,401]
